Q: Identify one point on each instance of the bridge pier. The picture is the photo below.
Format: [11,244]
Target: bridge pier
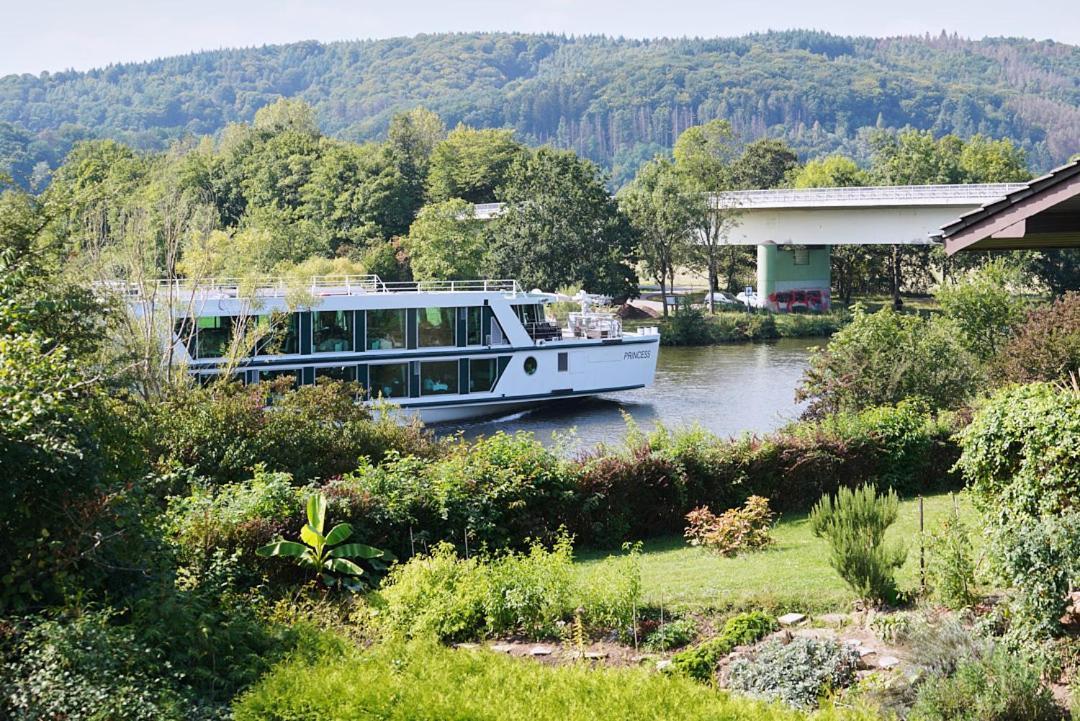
[786,272]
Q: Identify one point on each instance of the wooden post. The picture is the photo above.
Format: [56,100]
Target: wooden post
[922,549]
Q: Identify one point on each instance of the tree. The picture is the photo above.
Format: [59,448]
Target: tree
[446,242]
[471,163]
[833,171]
[560,226]
[702,159]
[764,163]
[412,137]
[985,306]
[665,216]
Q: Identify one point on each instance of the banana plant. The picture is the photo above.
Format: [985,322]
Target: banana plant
[325,554]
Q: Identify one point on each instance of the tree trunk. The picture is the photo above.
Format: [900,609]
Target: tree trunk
[663,292]
[712,284]
[897,303]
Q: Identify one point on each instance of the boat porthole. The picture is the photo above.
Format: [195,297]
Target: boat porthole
[530,365]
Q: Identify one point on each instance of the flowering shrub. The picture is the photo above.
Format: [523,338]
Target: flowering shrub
[734,530]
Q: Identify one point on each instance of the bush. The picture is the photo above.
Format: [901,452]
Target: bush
[735,530]
[1046,346]
[883,358]
[854,524]
[950,564]
[421,681]
[999,687]
[700,662]
[449,598]
[87,668]
[673,634]
[984,306]
[1021,457]
[799,672]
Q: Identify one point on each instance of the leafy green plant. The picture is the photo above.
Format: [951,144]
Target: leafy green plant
[325,555]
[671,635]
[950,563]
[799,672]
[854,523]
[700,661]
[999,687]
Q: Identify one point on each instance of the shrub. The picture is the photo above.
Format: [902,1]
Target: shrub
[984,306]
[999,687]
[939,645]
[799,672]
[1021,457]
[1046,346]
[437,596]
[609,594]
[530,592]
[854,523]
[672,634]
[950,564]
[424,681]
[87,668]
[734,530]
[882,358]
[700,661]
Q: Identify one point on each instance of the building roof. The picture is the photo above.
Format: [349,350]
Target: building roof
[1043,213]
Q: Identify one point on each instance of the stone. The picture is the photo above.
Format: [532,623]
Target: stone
[502,648]
[833,619]
[888,662]
[466,646]
[864,651]
[790,619]
[663,664]
[541,650]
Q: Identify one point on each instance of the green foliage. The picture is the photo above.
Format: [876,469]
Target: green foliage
[999,687]
[450,598]
[764,163]
[559,225]
[950,563]
[833,171]
[985,306]
[470,164]
[798,672]
[422,680]
[446,242]
[854,524]
[1046,346]
[671,635]
[700,661]
[885,357]
[327,554]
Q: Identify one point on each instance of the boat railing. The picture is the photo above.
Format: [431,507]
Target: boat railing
[594,325]
[319,285]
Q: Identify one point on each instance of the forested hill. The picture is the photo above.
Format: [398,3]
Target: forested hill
[616,101]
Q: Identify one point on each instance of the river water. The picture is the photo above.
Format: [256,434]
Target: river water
[727,389]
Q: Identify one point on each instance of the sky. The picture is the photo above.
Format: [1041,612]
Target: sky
[57,35]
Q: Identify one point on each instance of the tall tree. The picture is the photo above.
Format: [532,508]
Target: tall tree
[764,163]
[413,136]
[665,213]
[560,226]
[446,242]
[471,163]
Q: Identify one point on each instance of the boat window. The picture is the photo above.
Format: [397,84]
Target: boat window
[438,377]
[213,335]
[278,333]
[267,376]
[331,331]
[474,325]
[482,373]
[530,365]
[497,335]
[386,329]
[337,373]
[390,380]
[564,362]
[436,326]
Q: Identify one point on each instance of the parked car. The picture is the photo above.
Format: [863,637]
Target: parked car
[720,298]
[748,300]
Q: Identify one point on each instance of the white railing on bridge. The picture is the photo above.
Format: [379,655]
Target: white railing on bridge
[878,195]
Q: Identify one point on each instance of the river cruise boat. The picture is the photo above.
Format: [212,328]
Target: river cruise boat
[447,350]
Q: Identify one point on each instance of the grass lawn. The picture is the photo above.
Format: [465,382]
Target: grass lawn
[793,575]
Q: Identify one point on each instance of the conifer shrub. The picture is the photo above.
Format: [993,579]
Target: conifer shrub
[854,523]
[700,661]
[950,563]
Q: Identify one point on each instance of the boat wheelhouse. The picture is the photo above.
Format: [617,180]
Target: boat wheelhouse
[446,350]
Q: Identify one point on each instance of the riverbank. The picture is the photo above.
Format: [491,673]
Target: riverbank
[691,326]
